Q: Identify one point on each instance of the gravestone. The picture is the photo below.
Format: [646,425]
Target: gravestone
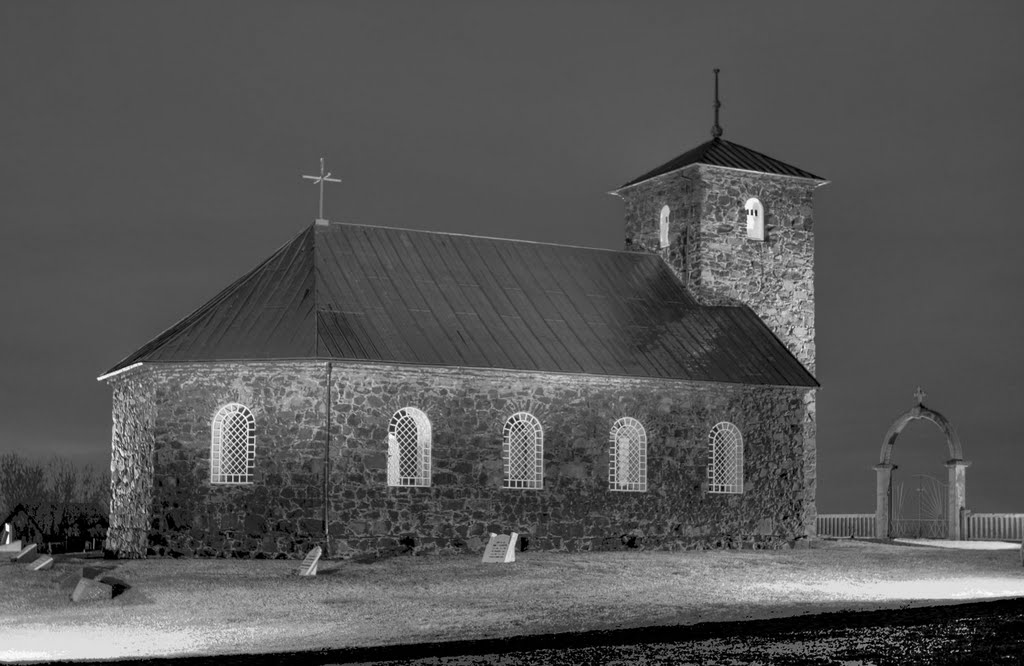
[11,547]
[501,548]
[40,563]
[25,553]
[91,590]
[308,566]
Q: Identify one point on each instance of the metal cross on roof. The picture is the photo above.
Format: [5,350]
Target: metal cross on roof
[321,179]
[920,395]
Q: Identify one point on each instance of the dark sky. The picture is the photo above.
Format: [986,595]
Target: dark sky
[150,153]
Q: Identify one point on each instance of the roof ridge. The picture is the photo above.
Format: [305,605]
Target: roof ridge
[465,235]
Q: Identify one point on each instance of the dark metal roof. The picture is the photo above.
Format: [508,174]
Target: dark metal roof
[719,152]
[362,293]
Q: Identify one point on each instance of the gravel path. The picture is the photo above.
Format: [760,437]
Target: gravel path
[977,633]
[990,632]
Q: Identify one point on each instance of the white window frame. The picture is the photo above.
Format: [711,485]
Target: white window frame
[725,459]
[755,218]
[522,452]
[663,221]
[234,466]
[409,436]
[627,466]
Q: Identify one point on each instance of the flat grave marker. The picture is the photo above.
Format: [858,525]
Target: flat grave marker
[40,563]
[25,553]
[501,548]
[308,566]
[11,547]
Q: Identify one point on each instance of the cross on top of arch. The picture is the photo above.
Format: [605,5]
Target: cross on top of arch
[920,395]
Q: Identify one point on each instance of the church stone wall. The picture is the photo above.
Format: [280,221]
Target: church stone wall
[281,513]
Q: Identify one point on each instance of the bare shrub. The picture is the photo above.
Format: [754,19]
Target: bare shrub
[63,500]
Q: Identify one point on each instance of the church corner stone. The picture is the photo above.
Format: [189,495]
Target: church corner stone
[131,465]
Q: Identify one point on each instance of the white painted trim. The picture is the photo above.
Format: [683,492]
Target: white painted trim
[115,373]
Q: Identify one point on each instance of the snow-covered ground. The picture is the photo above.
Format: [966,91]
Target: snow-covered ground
[962,545]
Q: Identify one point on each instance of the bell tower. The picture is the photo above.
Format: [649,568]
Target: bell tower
[737,227]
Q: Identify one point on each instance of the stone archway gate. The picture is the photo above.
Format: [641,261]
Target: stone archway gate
[957,466]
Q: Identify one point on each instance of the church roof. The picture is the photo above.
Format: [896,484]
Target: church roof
[719,152]
[350,292]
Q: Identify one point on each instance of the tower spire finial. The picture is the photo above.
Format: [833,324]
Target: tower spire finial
[716,131]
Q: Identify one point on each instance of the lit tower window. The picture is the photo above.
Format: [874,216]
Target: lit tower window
[755,219]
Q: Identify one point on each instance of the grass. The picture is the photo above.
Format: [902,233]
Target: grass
[177,607]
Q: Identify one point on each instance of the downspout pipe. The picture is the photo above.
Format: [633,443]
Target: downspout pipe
[327,465]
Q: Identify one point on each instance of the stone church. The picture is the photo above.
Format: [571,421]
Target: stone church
[371,389]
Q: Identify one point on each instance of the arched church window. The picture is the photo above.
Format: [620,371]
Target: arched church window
[663,226]
[725,459]
[522,451]
[409,448]
[233,445]
[755,219]
[627,469]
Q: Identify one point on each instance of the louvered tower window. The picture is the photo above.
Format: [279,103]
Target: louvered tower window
[663,225]
[522,451]
[233,445]
[409,448]
[725,459]
[755,219]
[627,468]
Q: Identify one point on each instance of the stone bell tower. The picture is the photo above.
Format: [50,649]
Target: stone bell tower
[736,226]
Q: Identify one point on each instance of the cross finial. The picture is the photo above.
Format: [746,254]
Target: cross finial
[716,130]
[320,180]
[920,395]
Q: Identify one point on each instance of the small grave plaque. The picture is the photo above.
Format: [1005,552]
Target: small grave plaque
[25,553]
[308,566]
[40,563]
[501,548]
[12,547]
[90,590]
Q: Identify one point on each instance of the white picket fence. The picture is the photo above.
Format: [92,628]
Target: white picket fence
[846,524]
[977,526]
[994,526]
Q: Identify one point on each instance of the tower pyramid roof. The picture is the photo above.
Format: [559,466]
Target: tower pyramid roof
[722,153]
